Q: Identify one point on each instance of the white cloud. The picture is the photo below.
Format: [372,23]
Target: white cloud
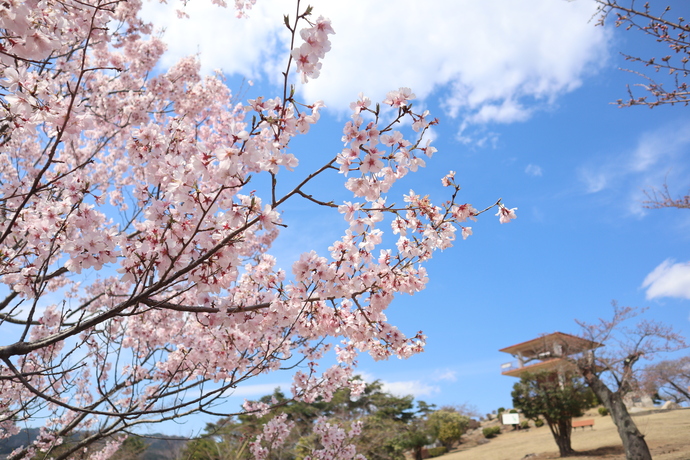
[237,46]
[533,170]
[415,388]
[489,61]
[507,111]
[406,387]
[669,279]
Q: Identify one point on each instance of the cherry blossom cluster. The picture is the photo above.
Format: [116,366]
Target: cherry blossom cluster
[140,208]
[273,435]
[241,6]
[110,449]
[381,158]
[31,32]
[335,441]
[316,44]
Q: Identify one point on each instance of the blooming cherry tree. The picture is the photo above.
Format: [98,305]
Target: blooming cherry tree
[134,245]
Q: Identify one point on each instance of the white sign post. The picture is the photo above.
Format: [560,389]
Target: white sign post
[510,419]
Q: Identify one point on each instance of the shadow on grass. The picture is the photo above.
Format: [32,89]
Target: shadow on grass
[600,453]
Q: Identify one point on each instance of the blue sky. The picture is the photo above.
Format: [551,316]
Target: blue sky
[523,91]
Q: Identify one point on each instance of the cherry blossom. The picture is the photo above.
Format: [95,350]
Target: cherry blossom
[448,179]
[505,215]
[361,104]
[316,45]
[399,98]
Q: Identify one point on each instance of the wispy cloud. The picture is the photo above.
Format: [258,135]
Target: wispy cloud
[593,180]
[658,156]
[533,170]
[447,375]
[669,279]
[493,61]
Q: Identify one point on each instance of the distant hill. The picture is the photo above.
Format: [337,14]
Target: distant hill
[24,437]
[158,446]
[161,447]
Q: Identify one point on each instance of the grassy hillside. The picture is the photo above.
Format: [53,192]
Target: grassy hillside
[667,434]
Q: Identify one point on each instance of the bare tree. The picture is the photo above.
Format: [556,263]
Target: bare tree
[609,371]
[666,27]
[669,379]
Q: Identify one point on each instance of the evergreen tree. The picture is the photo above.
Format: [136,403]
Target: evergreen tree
[557,397]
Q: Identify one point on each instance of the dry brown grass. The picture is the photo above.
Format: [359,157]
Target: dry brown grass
[667,434]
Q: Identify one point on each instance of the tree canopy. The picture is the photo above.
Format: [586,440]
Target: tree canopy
[555,397]
[388,426]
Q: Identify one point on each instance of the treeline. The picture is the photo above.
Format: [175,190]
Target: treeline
[390,427]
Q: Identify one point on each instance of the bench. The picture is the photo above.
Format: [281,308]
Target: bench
[583,423]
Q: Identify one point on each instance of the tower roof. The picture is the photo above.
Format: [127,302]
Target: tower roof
[543,347]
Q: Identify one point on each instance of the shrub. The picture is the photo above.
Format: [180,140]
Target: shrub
[603,411]
[538,422]
[436,451]
[491,431]
[513,411]
[501,409]
[524,425]
[447,426]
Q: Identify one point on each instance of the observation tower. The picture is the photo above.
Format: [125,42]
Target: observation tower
[545,353]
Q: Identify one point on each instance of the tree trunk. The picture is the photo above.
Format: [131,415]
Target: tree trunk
[633,441]
[561,431]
